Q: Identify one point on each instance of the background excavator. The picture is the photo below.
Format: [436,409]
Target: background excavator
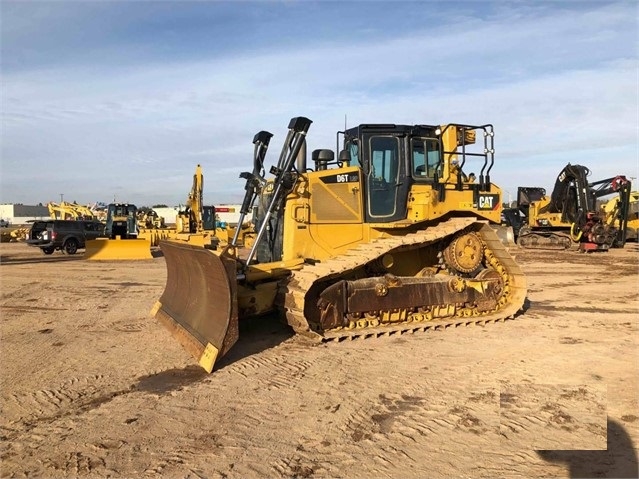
[122,241]
[392,237]
[70,211]
[570,216]
[195,224]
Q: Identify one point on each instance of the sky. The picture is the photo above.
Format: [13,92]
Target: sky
[104,101]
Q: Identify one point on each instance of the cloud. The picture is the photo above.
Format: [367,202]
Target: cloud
[558,84]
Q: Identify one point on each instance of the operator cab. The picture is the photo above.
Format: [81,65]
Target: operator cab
[392,158]
[395,157]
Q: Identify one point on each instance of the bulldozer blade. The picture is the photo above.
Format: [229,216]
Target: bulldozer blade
[199,303]
[117,249]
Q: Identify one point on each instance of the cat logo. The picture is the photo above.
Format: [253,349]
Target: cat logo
[488,202]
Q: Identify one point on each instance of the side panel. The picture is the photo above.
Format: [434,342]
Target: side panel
[538,218]
[324,215]
[424,204]
[335,196]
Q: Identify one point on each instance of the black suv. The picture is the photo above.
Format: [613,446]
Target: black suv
[65,235]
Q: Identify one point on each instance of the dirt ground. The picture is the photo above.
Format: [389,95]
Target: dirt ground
[91,386]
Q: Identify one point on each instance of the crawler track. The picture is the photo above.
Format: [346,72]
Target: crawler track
[295,291]
[548,240]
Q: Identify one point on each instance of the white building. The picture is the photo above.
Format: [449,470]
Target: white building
[19,214]
[169,214]
[230,214]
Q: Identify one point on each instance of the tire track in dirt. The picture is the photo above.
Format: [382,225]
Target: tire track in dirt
[406,418]
[412,418]
[128,325]
[535,416]
[249,419]
[24,290]
[75,463]
[71,398]
[35,436]
[272,376]
[399,428]
[281,372]
[409,416]
[56,462]
[272,373]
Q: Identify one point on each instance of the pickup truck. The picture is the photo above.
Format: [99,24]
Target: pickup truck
[65,235]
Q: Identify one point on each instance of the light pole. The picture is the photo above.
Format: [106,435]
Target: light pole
[509,197]
[61,197]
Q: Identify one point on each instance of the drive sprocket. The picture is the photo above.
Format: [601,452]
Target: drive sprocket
[465,252]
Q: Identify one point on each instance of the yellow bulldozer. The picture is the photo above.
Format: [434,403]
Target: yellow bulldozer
[394,236]
[149,219]
[121,240]
[152,227]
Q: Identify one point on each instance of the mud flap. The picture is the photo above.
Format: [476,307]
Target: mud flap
[117,249]
[199,303]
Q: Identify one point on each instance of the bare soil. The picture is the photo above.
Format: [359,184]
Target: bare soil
[91,386]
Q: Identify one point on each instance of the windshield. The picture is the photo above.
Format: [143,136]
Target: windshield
[122,210]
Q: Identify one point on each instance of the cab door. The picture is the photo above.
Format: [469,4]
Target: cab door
[386,183]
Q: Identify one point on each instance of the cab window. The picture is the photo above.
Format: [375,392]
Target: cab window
[384,158]
[353,149]
[425,157]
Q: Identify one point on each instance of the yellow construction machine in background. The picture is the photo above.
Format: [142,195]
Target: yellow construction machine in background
[569,216]
[12,234]
[149,219]
[70,211]
[122,241]
[245,234]
[6,232]
[395,235]
[20,234]
[152,227]
[195,224]
[616,210]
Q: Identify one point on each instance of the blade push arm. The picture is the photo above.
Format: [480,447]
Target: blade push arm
[298,127]
[254,180]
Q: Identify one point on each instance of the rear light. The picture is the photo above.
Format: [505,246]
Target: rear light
[53,235]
